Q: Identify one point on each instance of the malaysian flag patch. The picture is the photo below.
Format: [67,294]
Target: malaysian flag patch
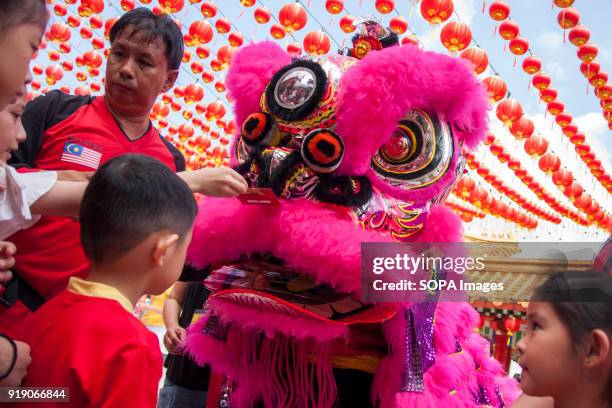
[75,153]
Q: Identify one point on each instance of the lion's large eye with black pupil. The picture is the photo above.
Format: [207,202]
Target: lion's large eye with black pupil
[418,153]
[295,90]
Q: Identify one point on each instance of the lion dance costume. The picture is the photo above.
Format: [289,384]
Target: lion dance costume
[358,148]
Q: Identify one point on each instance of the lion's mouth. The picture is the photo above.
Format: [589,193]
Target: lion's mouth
[268,286]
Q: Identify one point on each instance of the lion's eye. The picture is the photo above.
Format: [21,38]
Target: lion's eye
[400,147]
[418,153]
[295,90]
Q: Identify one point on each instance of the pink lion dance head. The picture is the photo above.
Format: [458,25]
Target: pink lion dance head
[356,150]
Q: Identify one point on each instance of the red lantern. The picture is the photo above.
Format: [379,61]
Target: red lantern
[207,77]
[202,52]
[509,110]
[577,139]
[89,7]
[67,66]
[223,25]
[410,39]
[518,46]
[569,130]
[563,3]
[179,91]
[262,15]
[86,33]
[568,18]
[579,35]
[60,10]
[334,6]
[599,79]
[549,163]
[532,65]
[316,43]
[225,54]
[185,131]
[465,185]
[536,145]
[127,5]
[215,110]
[589,69]
[477,57]
[563,119]
[562,177]
[197,67]
[398,25]
[522,128]
[587,52]
[347,24]
[208,9]
[548,94]
[384,6]
[193,93]
[292,17]
[92,59]
[555,107]
[171,6]
[235,39]
[201,32]
[247,3]
[604,92]
[294,49]
[541,81]
[455,36]
[75,21]
[496,88]
[219,86]
[573,190]
[54,73]
[499,10]
[582,150]
[58,33]
[96,22]
[509,30]
[159,110]
[277,32]
[436,11]
[583,201]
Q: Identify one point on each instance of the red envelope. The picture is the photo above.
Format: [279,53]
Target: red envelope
[259,196]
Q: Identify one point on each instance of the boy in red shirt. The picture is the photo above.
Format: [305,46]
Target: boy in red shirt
[136,220]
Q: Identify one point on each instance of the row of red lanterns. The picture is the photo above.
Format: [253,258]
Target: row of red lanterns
[510,113]
[466,214]
[536,145]
[500,186]
[468,190]
[579,35]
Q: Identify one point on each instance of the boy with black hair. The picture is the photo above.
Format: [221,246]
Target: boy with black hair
[136,221]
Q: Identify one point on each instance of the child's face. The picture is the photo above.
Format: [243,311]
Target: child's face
[550,363]
[17,46]
[11,129]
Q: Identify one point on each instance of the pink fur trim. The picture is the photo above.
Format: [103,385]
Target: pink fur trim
[452,372]
[271,324]
[442,225]
[293,231]
[379,90]
[250,71]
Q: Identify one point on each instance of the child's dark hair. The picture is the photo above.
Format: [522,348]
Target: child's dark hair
[583,302]
[152,26]
[129,198]
[14,12]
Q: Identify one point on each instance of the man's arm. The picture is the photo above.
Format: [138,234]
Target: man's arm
[64,199]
